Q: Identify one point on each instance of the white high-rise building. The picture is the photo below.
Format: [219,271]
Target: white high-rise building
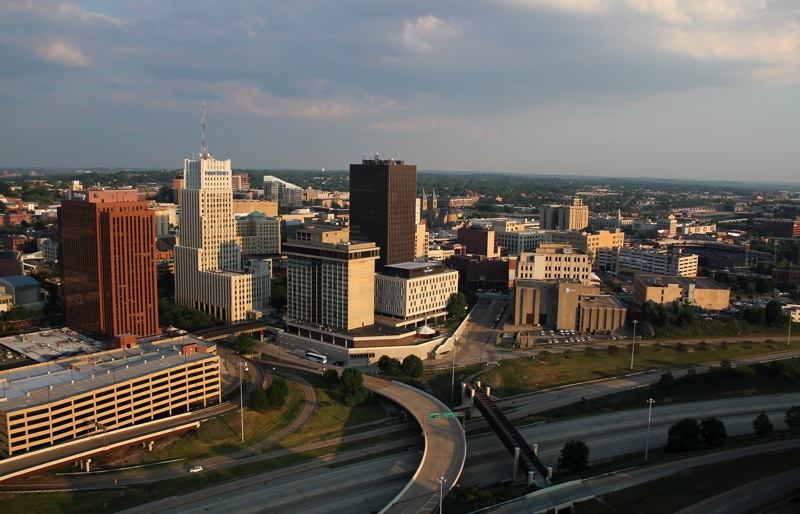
[208,261]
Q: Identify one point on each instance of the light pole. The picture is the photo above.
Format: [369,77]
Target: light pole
[453,378]
[789,335]
[441,481]
[649,412]
[242,367]
[633,342]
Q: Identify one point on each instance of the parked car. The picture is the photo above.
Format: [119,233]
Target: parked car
[338,363]
[196,469]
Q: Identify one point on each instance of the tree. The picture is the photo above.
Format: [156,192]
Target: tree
[712,430]
[383,362]
[279,296]
[667,380]
[245,344]
[258,400]
[792,418]
[331,376]
[574,456]
[762,426]
[413,366]
[457,307]
[656,313]
[277,392]
[764,285]
[612,349]
[684,313]
[755,315]
[773,313]
[352,384]
[544,356]
[683,436]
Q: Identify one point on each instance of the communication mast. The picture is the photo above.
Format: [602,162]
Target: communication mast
[203,148]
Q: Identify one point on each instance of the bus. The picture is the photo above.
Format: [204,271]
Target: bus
[316,357]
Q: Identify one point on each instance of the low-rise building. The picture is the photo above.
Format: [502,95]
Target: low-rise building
[554,261]
[643,260]
[64,399]
[703,292]
[411,293]
[551,303]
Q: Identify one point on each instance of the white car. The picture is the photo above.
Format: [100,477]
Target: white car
[196,469]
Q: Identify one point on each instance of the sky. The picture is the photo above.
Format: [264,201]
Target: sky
[698,89]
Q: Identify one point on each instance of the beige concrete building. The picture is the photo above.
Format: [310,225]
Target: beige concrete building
[422,241]
[570,214]
[643,260]
[554,261]
[411,293]
[590,242]
[208,259]
[331,281]
[600,313]
[64,399]
[257,233]
[526,240]
[704,293]
[167,219]
[264,207]
[549,303]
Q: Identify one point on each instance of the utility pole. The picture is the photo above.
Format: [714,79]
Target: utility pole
[633,342]
[649,416]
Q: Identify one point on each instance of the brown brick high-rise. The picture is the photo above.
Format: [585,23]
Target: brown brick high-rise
[108,261]
[383,197]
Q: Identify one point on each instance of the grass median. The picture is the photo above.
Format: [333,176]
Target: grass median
[523,375]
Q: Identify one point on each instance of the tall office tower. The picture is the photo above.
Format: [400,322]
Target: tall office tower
[108,260]
[208,261]
[330,281]
[383,196]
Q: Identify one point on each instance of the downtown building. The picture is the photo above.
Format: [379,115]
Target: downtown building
[65,399]
[555,261]
[209,275]
[411,293]
[383,196]
[108,259]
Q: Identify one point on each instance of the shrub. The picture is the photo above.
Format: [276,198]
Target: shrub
[574,456]
[792,419]
[681,348]
[702,346]
[712,430]
[258,400]
[544,355]
[690,377]
[762,426]
[612,349]
[667,380]
[412,366]
[567,354]
[657,347]
[683,436]
[331,376]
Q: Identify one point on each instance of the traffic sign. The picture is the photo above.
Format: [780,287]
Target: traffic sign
[433,415]
[450,414]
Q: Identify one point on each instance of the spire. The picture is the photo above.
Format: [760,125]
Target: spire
[203,147]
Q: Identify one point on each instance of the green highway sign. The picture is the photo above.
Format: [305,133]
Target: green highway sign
[433,415]
[450,415]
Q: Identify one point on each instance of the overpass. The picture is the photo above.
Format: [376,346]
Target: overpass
[445,447]
[221,332]
[525,457]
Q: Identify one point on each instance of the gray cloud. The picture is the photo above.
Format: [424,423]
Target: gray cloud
[490,85]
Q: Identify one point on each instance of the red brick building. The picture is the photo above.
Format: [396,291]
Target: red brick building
[108,252]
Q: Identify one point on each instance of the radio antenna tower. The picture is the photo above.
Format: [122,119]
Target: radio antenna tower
[203,148]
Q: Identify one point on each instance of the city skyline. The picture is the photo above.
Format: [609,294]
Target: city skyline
[581,87]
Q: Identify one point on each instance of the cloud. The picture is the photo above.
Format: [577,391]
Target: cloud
[63,53]
[256,102]
[421,34]
[667,10]
[581,6]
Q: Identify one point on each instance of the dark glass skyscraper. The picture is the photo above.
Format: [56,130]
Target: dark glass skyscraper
[382,207]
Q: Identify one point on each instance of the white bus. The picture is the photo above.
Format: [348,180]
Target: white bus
[316,357]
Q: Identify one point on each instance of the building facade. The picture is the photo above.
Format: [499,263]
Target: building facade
[108,261]
[208,259]
[640,260]
[554,261]
[382,203]
[590,242]
[570,214]
[330,280]
[704,293]
[62,400]
[413,292]
[527,240]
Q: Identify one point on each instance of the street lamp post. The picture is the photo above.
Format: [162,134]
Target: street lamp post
[789,335]
[649,412]
[633,342]
[441,481]
[242,367]
[453,378]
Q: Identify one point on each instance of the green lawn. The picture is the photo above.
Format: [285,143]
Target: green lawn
[719,329]
[670,494]
[440,381]
[216,436]
[521,375]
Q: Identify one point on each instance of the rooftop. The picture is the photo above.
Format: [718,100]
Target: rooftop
[40,384]
[601,301]
[665,281]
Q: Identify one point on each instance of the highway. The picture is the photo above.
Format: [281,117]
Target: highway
[487,461]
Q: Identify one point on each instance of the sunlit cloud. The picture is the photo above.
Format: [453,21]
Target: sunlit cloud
[426,31]
[62,53]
